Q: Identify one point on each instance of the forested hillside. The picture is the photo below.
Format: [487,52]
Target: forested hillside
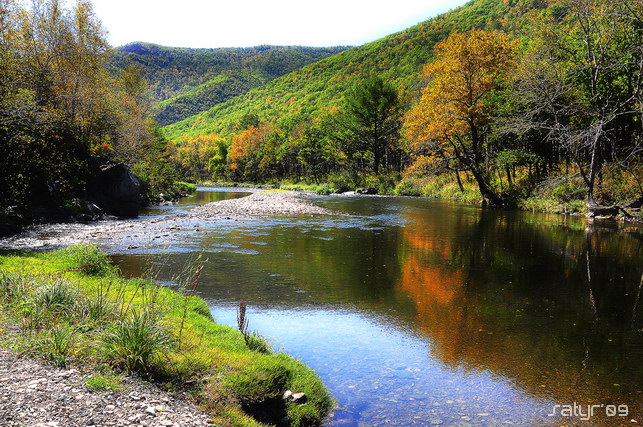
[397,58]
[189,81]
[511,102]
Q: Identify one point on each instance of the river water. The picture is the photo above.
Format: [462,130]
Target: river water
[422,312]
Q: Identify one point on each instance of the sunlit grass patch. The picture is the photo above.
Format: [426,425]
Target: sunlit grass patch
[76,310]
[104,382]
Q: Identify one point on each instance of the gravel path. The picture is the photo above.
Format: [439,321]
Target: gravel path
[33,394]
[139,232]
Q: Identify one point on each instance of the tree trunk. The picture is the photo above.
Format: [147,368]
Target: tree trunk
[487,193]
[457,177]
[635,204]
[376,160]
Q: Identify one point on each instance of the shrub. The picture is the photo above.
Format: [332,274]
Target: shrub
[89,260]
[184,187]
[325,189]
[619,186]
[566,191]
[343,182]
[135,343]
[384,183]
[408,187]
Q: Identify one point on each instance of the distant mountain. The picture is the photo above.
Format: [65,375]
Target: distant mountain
[189,81]
[319,86]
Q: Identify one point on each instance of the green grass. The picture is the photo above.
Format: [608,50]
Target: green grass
[441,187]
[324,188]
[104,382]
[102,321]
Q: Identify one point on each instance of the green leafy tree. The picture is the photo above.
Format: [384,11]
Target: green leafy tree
[370,123]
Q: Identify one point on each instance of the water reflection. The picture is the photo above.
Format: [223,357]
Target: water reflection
[420,312]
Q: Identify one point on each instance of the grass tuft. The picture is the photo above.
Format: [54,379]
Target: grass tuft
[136,342]
[89,260]
[55,297]
[55,345]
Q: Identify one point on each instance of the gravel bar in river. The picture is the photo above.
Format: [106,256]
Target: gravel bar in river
[264,203]
[139,232]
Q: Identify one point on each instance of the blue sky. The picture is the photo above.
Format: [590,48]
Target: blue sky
[237,23]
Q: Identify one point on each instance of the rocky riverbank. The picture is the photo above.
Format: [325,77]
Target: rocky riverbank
[142,231]
[35,394]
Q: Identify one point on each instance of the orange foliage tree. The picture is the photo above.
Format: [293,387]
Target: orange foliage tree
[451,121]
[247,151]
[194,155]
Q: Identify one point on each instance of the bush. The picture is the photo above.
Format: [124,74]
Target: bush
[325,189]
[343,182]
[89,260]
[445,186]
[408,187]
[135,343]
[566,191]
[618,186]
[560,194]
[385,184]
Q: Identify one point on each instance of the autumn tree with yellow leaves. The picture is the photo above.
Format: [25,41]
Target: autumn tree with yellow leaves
[451,122]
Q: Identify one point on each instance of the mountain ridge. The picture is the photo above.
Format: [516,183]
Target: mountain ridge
[187,73]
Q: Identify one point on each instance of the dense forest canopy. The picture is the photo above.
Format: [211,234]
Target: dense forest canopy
[60,106]
[189,81]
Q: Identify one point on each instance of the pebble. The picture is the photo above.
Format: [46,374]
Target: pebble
[39,395]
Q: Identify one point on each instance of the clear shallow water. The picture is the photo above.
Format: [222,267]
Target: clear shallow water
[419,312]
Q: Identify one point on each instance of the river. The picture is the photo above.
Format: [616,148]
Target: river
[423,312]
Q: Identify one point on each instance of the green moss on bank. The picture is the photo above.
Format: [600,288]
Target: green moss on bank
[73,308]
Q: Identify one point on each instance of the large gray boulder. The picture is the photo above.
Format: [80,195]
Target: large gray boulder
[114,188]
